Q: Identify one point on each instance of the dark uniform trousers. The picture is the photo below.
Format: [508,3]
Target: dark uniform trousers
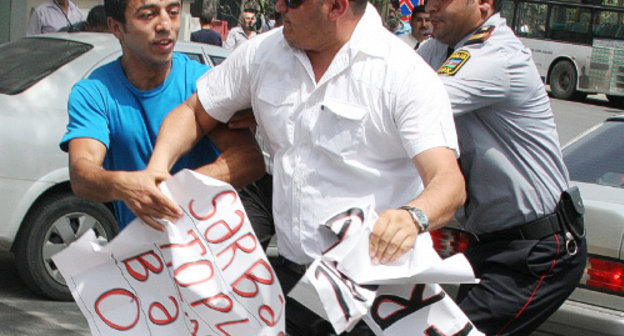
[522,282]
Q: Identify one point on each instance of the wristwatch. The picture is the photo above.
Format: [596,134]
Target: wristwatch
[418,216]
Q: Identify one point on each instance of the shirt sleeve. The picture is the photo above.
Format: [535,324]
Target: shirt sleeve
[34,25]
[230,41]
[226,88]
[87,115]
[482,81]
[422,113]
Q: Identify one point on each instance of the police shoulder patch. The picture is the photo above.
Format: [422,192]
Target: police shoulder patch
[454,63]
[481,35]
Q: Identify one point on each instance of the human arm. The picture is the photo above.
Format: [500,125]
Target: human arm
[395,232]
[34,25]
[230,40]
[471,88]
[240,161]
[137,189]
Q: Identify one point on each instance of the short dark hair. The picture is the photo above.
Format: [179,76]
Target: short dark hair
[97,16]
[359,6]
[419,9]
[116,9]
[250,10]
[205,18]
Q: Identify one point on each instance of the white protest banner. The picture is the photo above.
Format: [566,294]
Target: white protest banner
[395,299]
[205,275]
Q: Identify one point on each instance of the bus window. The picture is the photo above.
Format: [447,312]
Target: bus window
[570,24]
[508,11]
[531,20]
[608,24]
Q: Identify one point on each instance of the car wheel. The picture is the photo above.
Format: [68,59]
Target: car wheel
[50,226]
[563,81]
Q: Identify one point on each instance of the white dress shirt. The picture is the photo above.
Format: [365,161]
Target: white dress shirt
[49,18]
[350,136]
[236,37]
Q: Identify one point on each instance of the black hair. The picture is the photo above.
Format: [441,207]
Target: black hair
[250,10]
[359,6]
[116,9]
[97,16]
[205,18]
[419,9]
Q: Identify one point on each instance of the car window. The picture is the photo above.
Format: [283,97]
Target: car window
[195,57]
[598,157]
[217,60]
[26,61]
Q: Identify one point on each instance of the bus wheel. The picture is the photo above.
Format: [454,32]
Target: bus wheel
[563,80]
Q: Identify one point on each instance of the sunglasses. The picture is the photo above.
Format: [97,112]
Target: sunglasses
[292,4]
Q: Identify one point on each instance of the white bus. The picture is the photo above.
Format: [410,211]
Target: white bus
[577,45]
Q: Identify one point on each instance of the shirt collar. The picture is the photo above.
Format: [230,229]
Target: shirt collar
[494,20]
[368,35]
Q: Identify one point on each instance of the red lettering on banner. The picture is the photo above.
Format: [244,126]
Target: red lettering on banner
[249,275]
[272,320]
[110,293]
[195,327]
[195,241]
[230,231]
[145,263]
[168,318]
[177,274]
[214,205]
[221,325]
[238,245]
[216,303]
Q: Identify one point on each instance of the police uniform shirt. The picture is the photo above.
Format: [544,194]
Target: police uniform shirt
[511,156]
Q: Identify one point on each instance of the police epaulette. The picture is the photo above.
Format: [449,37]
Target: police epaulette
[481,35]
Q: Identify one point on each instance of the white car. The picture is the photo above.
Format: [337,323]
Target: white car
[595,161]
[39,213]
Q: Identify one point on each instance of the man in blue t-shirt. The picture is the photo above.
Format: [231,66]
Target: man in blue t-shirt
[115,115]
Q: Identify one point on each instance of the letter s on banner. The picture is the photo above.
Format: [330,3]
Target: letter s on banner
[142,259]
[108,295]
[214,205]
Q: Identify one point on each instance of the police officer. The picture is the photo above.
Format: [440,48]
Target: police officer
[528,247]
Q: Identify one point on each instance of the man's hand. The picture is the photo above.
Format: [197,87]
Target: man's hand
[243,119]
[394,234]
[139,191]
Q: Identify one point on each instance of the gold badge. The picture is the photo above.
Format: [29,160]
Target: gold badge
[454,63]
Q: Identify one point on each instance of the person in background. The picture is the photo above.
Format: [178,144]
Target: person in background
[242,33]
[96,22]
[421,28]
[206,34]
[529,248]
[115,116]
[52,15]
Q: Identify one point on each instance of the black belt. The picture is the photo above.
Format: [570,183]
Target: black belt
[534,230]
